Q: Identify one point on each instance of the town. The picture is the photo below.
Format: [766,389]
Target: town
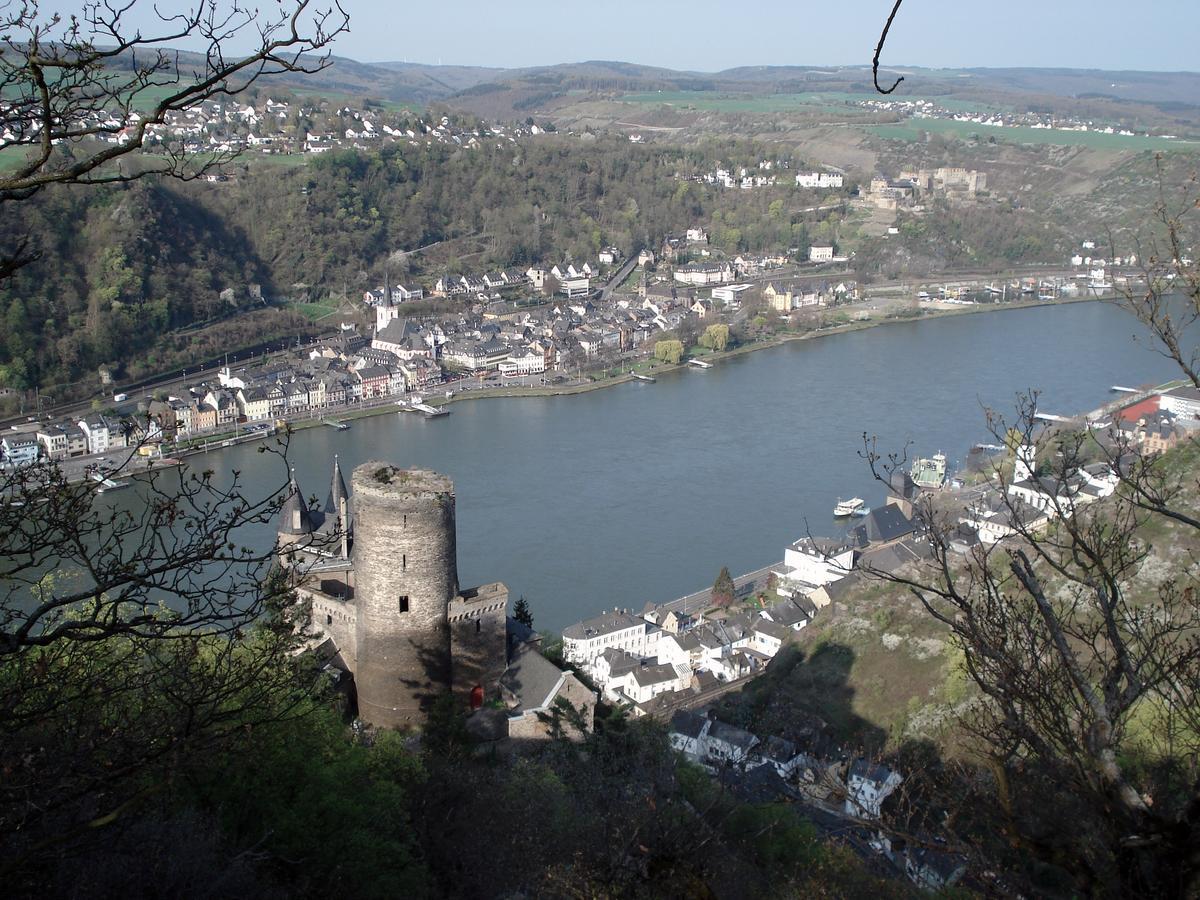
[674,661]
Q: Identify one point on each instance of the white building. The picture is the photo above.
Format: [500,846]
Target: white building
[867,787]
[1183,402]
[647,682]
[810,563]
[820,254]
[818,180]
[584,641]
[525,362]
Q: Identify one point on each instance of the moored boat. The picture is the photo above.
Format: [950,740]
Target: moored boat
[847,507]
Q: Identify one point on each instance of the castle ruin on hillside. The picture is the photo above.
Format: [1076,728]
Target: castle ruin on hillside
[379,567]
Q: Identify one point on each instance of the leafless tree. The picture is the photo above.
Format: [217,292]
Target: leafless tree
[132,637]
[1080,626]
[81,93]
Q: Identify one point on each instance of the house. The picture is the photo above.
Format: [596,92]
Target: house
[822,180]
[646,682]
[777,298]
[375,381]
[646,257]
[685,732]
[523,362]
[812,562]
[609,256]
[96,429]
[255,404]
[1183,402]
[726,745]
[533,690]
[820,254]
[781,755]
[585,641]
[709,742]
[53,440]
[884,525]
[20,449]
[934,869]
[867,786]
[701,274]
[768,637]
[612,663]
[696,235]
[792,614]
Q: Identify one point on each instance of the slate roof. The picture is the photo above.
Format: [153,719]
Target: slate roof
[688,723]
[605,623]
[771,629]
[870,771]
[647,676]
[294,515]
[531,678]
[337,489]
[883,524]
[732,735]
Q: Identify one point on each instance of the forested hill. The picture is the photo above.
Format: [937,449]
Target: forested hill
[125,270]
[122,267]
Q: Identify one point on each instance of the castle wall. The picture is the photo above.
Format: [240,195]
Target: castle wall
[530,727]
[406,574]
[335,618]
[478,625]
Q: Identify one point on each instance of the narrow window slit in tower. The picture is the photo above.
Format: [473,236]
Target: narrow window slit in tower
[404,603]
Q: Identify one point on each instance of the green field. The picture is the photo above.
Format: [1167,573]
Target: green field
[836,101]
[913,128]
[314,311]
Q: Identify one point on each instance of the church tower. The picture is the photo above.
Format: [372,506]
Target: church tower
[406,570]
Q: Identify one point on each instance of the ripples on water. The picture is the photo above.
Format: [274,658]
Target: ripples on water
[643,491]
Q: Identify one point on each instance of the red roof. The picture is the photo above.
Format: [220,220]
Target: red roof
[1139,410]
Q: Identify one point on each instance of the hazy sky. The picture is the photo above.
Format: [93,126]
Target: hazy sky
[709,36]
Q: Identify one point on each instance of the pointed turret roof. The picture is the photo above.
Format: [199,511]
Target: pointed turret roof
[337,490]
[294,517]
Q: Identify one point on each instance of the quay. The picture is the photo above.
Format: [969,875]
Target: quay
[647,378]
[107,484]
[430,412]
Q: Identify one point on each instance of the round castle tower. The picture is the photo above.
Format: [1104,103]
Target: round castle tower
[406,572]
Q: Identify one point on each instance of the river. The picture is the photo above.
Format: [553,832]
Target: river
[643,491]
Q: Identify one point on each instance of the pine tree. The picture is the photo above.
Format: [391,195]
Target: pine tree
[522,613]
[723,589]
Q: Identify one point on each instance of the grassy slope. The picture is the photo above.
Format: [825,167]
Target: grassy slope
[879,670]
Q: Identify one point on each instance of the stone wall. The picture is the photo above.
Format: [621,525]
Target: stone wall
[336,618]
[530,727]
[406,573]
[478,626]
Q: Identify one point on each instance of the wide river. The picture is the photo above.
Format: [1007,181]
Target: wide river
[643,491]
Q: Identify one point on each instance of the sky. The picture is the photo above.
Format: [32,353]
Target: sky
[707,36]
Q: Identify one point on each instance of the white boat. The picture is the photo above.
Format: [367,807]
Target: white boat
[847,507]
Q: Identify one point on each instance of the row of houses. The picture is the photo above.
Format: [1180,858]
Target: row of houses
[67,439]
[849,791]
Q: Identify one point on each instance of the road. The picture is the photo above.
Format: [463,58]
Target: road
[617,279]
[743,586]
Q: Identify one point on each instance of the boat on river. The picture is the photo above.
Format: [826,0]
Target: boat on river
[847,507]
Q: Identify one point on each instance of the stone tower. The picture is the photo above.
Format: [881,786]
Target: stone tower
[406,571]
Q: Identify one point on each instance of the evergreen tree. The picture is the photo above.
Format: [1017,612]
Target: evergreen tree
[522,613]
[723,589]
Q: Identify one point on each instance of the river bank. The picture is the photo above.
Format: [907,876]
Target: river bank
[655,367]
